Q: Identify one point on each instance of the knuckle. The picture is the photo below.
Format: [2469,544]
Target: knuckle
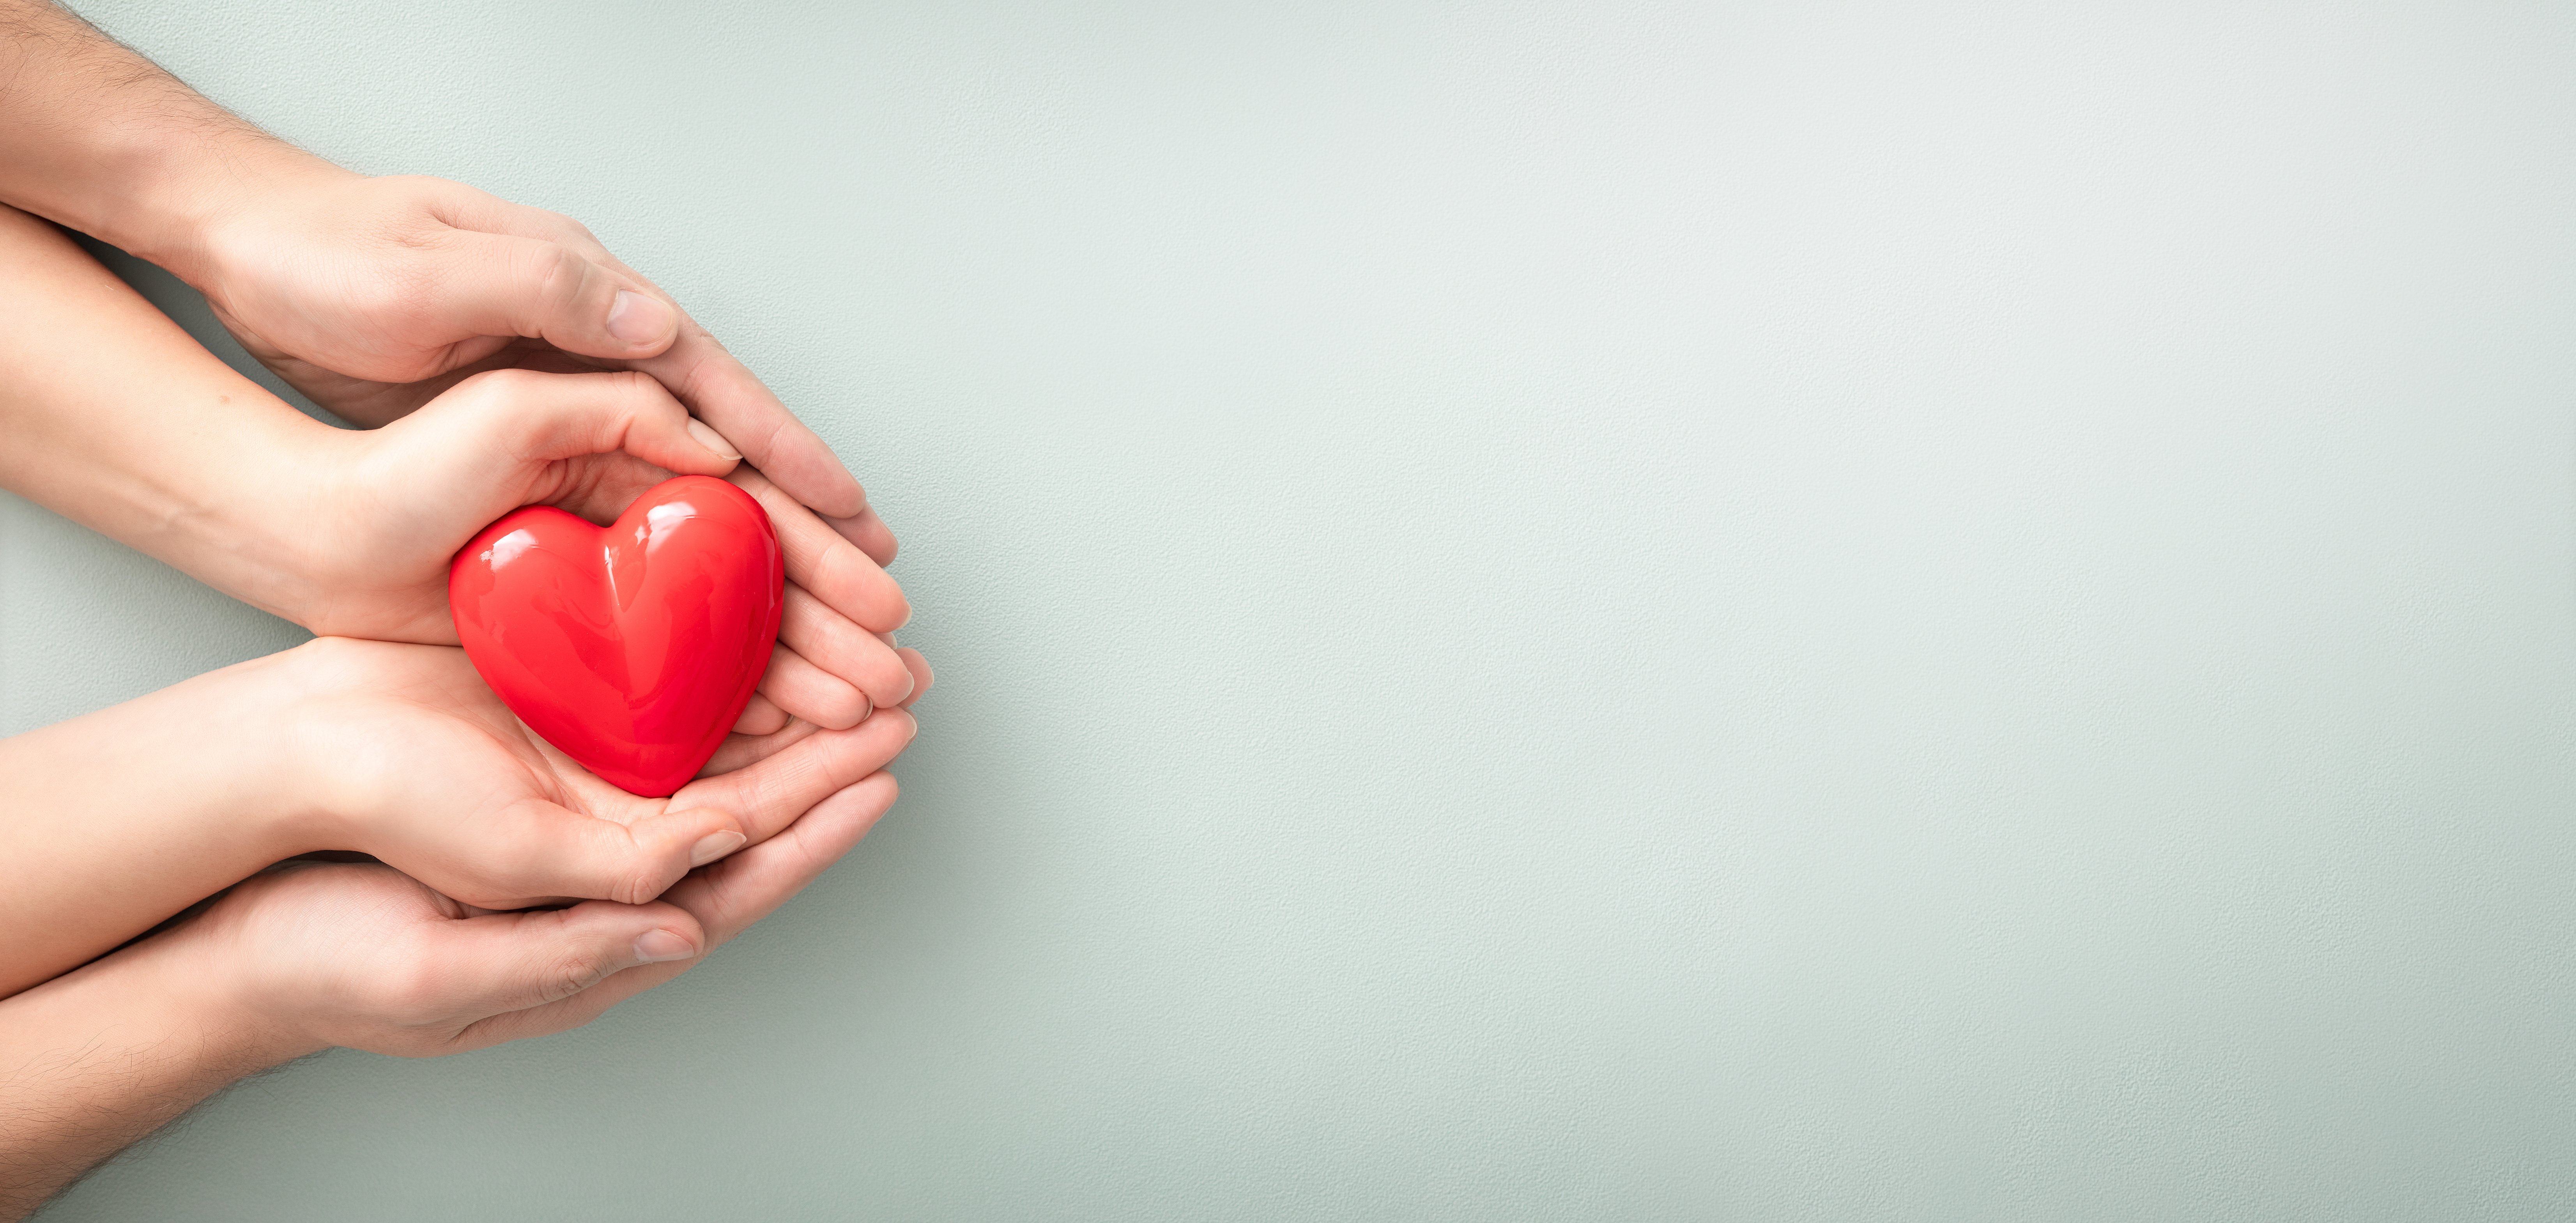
[637,383]
[887,679]
[641,883]
[570,228]
[561,273]
[829,701]
[428,185]
[570,974]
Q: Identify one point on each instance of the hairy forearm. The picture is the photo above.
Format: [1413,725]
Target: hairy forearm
[100,139]
[120,421]
[120,818]
[96,1059]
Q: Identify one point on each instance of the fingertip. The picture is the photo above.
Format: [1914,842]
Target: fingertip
[808,471]
[843,818]
[865,529]
[875,791]
[662,944]
[654,932]
[644,323]
[802,690]
[705,435]
[898,684]
[715,845]
[863,802]
[922,676]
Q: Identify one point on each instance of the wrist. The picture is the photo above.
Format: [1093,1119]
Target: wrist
[253,517]
[313,789]
[103,141]
[203,983]
[187,205]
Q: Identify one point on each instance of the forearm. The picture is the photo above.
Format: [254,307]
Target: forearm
[92,1061]
[119,420]
[121,818]
[102,140]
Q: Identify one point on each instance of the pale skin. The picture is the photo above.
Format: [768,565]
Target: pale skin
[361,292]
[509,359]
[396,750]
[393,750]
[314,955]
[118,420]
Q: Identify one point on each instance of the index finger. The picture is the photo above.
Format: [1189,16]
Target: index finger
[769,795]
[718,389]
[825,563]
[723,393]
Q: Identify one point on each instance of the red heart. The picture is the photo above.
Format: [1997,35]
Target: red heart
[634,647]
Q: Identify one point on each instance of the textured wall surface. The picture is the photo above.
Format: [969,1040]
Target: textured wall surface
[1553,611]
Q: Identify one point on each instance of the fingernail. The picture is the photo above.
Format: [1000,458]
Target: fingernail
[656,946]
[715,845]
[700,432]
[912,721]
[638,319]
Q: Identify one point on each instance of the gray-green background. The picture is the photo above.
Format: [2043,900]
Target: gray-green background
[1558,610]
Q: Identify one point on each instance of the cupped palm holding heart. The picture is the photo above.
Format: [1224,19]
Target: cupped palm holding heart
[632,648]
[169,927]
[371,520]
[352,534]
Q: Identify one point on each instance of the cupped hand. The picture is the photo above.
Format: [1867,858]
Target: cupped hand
[386,509]
[364,292]
[362,956]
[410,758]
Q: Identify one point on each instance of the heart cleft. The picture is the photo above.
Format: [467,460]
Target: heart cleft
[632,647]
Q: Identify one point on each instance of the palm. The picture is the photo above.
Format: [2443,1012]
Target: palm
[369,403]
[431,474]
[403,531]
[416,726]
[381,962]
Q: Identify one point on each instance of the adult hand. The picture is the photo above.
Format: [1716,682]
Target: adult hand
[310,954]
[373,403]
[399,501]
[397,751]
[348,286]
[410,758]
[365,292]
[359,955]
[117,419]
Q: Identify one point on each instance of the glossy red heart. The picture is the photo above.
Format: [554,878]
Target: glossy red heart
[632,647]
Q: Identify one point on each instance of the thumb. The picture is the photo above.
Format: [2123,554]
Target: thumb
[544,417]
[534,851]
[500,962]
[489,284]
